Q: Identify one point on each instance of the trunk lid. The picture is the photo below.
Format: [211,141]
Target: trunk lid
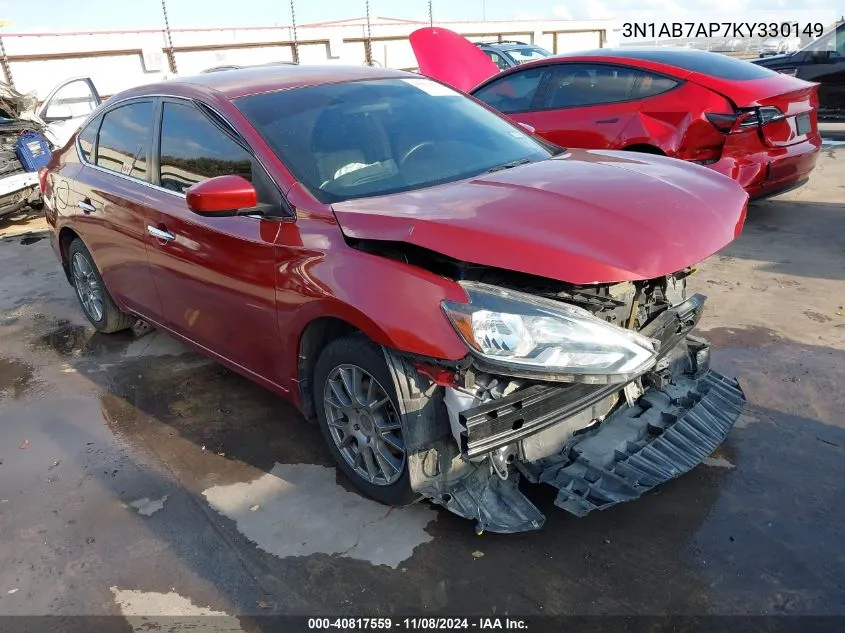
[795,99]
[582,217]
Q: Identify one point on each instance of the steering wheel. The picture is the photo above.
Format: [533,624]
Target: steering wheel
[416,148]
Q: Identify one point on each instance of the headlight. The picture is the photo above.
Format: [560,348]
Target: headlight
[533,335]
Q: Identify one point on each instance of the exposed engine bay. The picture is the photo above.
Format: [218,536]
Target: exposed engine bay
[18,186]
[473,431]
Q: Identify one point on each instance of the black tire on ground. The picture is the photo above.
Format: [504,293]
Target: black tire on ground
[113,319]
[359,351]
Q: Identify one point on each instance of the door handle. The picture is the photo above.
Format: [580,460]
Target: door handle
[86,206]
[160,234]
[608,121]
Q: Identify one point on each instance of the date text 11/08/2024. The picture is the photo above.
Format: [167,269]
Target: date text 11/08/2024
[418,624]
[736,30]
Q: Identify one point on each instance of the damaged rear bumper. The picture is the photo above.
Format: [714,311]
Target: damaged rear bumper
[610,443]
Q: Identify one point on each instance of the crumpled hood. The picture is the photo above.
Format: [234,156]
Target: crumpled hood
[582,217]
[16,105]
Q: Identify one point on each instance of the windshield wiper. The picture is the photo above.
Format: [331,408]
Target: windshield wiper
[510,165]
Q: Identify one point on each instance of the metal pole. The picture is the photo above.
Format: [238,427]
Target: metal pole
[483,10]
[430,14]
[295,47]
[4,60]
[171,57]
[368,46]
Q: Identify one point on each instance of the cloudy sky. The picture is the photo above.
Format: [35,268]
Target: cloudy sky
[63,15]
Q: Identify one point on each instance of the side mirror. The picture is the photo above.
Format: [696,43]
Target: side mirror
[221,196]
[820,55]
[528,128]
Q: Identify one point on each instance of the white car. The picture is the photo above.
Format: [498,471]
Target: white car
[57,119]
[772,46]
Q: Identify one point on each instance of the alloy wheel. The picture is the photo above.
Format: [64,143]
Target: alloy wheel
[87,287]
[364,424]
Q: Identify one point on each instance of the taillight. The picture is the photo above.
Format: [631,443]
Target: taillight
[753,117]
[745,118]
[722,122]
[42,179]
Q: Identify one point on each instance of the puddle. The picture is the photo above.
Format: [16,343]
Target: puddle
[148,507]
[718,462]
[155,344]
[15,378]
[31,239]
[299,510]
[743,337]
[70,340]
[138,607]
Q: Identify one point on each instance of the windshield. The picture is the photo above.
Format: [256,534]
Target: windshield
[527,54]
[376,137]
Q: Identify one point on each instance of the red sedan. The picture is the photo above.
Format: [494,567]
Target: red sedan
[455,303]
[757,126]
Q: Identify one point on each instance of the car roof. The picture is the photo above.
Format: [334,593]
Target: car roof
[671,56]
[674,62]
[241,82]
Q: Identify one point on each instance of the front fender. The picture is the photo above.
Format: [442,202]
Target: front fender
[395,304]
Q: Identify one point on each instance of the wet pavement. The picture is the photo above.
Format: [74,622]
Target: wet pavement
[136,477]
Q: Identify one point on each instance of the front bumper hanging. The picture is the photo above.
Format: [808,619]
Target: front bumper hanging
[667,433]
[685,412]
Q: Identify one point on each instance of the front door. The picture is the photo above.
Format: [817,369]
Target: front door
[66,107]
[215,275]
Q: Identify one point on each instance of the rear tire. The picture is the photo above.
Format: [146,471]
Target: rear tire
[356,404]
[95,300]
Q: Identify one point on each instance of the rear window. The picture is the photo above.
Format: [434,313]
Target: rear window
[124,139]
[704,62]
[88,138]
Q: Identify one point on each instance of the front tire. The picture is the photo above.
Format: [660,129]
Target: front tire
[356,405]
[94,298]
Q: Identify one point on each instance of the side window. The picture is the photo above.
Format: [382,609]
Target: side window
[578,85]
[88,138]
[497,59]
[649,85]
[513,93]
[194,149]
[124,139]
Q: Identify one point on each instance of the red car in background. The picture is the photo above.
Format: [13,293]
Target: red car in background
[757,126]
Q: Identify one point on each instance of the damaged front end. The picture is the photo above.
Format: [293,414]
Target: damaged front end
[600,391]
[18,185]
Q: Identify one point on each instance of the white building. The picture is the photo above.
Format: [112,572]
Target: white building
[117,60]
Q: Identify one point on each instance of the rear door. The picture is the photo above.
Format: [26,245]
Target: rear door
[575,104]
[215,275]
[584,105]
[108,196]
